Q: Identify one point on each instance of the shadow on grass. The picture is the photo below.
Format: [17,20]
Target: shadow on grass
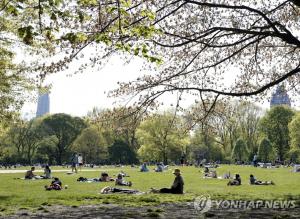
[5,197]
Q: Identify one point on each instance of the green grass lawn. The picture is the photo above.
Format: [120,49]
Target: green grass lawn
[30,194]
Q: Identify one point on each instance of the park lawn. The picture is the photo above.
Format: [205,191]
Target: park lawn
[16,194]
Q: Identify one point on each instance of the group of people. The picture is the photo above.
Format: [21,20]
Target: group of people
[176,188]
[160,167]
[54,185]
[252,181]
[76,161]
[30,173]
[106,178]
[236,181]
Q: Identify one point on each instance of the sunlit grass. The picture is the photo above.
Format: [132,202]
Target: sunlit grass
[30,194]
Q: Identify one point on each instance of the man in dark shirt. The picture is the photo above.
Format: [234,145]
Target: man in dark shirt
[177,187]
[29,174]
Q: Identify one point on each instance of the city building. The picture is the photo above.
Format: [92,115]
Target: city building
[43,106]
[280,97]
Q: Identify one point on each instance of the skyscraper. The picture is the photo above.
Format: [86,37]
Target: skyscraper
[43,104]
[280,97]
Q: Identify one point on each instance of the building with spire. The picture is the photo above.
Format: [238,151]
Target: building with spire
[43,106]
[280,97]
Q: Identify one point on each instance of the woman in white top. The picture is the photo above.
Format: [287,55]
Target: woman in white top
[47,172]
[80,161]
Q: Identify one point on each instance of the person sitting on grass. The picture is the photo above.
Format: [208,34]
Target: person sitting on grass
[144,167]
[226,176]
[29,174]
[237,181]
[253,181]
[120,182]
[105,178]
[206,171]
[55,185]
[209,173]
[176,188]
[47,173]
[159,167]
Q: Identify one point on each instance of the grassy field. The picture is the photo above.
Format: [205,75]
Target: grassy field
[30,194]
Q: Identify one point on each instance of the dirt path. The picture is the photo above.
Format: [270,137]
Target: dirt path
[174,211]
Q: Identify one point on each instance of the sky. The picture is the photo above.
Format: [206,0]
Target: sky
[80,93]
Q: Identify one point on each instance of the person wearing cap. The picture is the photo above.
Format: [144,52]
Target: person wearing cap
[176,188]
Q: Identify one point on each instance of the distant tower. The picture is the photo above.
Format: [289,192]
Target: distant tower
[280,97]
[43,104]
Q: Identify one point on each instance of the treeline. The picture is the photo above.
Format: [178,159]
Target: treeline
[231,132]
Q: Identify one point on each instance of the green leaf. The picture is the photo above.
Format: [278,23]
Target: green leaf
[126,3]
[136,51]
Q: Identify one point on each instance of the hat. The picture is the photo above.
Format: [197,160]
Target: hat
[176,171]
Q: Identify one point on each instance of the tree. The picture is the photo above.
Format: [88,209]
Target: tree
[119,123]
[92,145]
[294,131]
[294,126]
[248,116]
[15,82]
[199,48]
[46,152]
[25,137]
[274,126]
[203,42]
[265,151]
[160,135]
[121,153]
[240,150]
[204,146]
[66,129]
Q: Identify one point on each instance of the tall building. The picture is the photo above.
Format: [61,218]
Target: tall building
[280,97]
[43,106]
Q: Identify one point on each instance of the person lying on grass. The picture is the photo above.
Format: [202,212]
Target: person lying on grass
[209,173]
[176,188]
[237,181]
[105,178]
[109,190]
[121,182]
[253,181]
[55,185]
